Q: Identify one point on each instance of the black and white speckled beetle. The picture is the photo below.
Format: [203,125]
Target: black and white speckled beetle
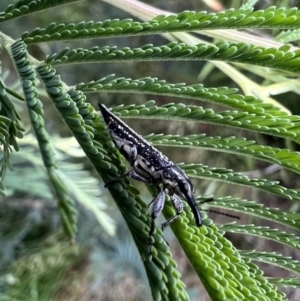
[150,166]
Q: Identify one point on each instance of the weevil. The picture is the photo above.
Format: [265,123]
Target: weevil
[150,166]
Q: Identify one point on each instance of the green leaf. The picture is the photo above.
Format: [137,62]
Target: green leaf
[222,95]
[286,127]
[127,199]
[282,58]
[290,240]
[285,262]
[228,175]
[24,7]
[233,145]
[289,219]
[28,77]
[185,21]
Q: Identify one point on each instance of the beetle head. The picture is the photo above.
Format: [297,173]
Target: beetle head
[176,181]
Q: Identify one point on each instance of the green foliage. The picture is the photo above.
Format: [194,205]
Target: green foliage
[288,219]
[10,130]
[85,125]
[234,145]
[282,58]
[223,95]
[186,21]
[52,262]
[61,192]
[24,7]
[287,127]
[288,36]
[276,259]
[226,273]
[265,232]
[223,174]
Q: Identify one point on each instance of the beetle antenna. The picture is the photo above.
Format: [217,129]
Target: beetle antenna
[207,200]
[221,213]
[215,211]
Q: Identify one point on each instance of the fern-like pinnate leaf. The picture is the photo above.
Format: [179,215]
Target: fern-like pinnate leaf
[290,240]
[226,273]
[228,175]
[233,145]
[222,95]
[205,246]
[288,36]
[60,190]
[10,130]
[185,21]
[24,7]
[281,58]
[288,219]
[286,127]
[85,124]
[218,264]
[273,258]
[286,282]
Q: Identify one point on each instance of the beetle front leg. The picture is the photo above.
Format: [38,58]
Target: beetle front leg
[177,204]
[134,175]
[158,204]
[116,180]
[131,174]
[158,189]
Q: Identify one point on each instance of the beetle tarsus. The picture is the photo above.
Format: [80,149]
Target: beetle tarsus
[116,180]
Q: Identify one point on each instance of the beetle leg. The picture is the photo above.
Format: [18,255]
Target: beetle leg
[131,174]
[116,180]
[158,189]
[177,204]
[134,175]
[158,204]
